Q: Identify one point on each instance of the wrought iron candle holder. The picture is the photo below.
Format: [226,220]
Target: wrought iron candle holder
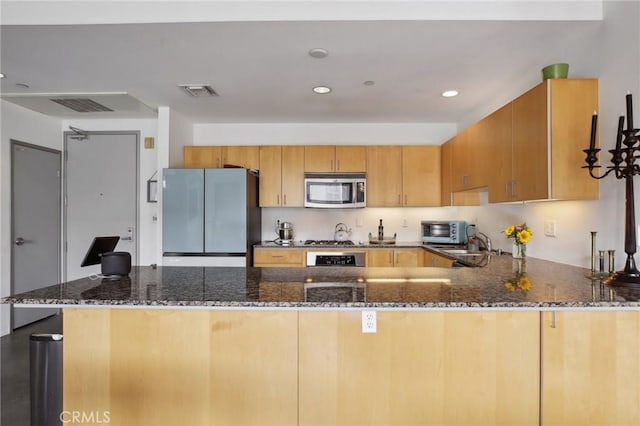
[623,160]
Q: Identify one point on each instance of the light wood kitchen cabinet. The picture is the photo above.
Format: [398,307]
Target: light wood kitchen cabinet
[590,368]
[394,257]
[285,257]
[384,176]
[421,174]
[243,156]
[169,368]
[467,161]
[281,176]
[435,260]
[202,157]
[335,158]
[445,173]
[426,368]
[280,291]
[499,131]
[551,127]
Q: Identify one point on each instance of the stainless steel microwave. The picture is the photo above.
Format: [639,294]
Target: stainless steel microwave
[335,191]
[444,231]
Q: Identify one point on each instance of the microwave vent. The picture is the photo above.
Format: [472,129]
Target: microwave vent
[81,104]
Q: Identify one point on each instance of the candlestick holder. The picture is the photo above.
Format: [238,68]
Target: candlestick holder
[623,160]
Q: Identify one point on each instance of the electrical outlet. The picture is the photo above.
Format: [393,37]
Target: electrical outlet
[369,322]
[550,228]
[358,222]
[404,223]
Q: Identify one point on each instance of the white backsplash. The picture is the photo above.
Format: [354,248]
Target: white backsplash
[320,223]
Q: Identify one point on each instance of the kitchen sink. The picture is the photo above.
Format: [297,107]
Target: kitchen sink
[462,252]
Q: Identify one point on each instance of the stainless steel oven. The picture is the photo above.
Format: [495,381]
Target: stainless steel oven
[335,258]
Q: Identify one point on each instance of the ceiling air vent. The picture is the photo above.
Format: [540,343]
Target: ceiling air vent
[81,104]
[198,90]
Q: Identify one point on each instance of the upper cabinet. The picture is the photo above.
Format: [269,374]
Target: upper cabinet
[330,158]
[384,176]
[499,130]
[467,160]
[202,157]
[213,157]
[403,176]
[281,176]
[421,176]
[551,125]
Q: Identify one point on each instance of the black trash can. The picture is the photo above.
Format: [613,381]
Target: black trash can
[45,365]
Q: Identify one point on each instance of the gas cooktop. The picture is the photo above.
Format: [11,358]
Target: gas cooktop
[328,243]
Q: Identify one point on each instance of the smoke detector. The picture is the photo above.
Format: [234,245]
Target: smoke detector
[198,90]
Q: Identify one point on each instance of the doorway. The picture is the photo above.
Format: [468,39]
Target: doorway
[35,224]
[101,195]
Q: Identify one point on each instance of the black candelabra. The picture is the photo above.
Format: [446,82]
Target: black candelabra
[623,160]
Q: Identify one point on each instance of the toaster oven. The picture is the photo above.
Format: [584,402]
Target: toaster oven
[444,231]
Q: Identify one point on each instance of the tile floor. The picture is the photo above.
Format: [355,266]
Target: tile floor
[14,372]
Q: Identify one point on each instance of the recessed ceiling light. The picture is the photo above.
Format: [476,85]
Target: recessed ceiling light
[322,90]
[2,75]
[450,93]
[318,53]
[369,83]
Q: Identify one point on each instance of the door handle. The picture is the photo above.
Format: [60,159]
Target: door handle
[129,236]
[20,241]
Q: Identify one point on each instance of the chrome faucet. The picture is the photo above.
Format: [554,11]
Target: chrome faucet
[485,240]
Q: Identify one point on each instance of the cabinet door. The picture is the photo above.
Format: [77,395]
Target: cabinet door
[434,260]
[421,176]
[292,176]
[351,158]
[380,258]
[499,135]
[408,258]
[319,158]
[420,368]
[384,176]
[459,162]
[270,176]
[591,368]
[573,102]
[445,174]
[202,157]
[243,156]
[530,154]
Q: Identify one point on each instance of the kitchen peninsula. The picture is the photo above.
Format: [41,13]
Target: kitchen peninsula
[511,343]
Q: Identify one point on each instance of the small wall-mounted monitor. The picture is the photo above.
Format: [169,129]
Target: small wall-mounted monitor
[99,246]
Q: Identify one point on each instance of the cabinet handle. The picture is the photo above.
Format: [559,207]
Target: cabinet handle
[390,258]
[284,200]
[276,256]
[405,199]
[278,200]
[553,319]
[397,259]
[337,165]
[506,189]
[513,189]
[332,165]
[399,199]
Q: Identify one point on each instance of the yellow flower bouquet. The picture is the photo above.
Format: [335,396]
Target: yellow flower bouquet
[521,283]
[521,235]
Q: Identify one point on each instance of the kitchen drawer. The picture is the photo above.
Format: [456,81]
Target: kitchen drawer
[278,257]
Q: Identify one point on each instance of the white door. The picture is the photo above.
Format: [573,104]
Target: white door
[101,195]
[35,224]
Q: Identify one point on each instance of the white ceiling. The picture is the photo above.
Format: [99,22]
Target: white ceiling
[263,73]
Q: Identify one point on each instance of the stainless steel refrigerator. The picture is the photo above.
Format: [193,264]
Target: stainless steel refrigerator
[210,217]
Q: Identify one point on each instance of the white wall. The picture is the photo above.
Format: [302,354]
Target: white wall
[180,134]
[323,134]
[148,166]
[27,126]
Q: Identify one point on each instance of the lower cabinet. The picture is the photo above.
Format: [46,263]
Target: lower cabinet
[281,258]
[591,368]
[420,368]
[435,260]
[182,367]
[394,258]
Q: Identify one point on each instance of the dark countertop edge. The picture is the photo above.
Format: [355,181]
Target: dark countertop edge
[271,244]
[434,306]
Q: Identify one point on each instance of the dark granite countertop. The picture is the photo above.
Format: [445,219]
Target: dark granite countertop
[361,245]
[504,284]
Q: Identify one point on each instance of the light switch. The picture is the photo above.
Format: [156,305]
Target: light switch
[550,228]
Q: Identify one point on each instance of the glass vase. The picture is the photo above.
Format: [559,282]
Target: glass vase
[519,251]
